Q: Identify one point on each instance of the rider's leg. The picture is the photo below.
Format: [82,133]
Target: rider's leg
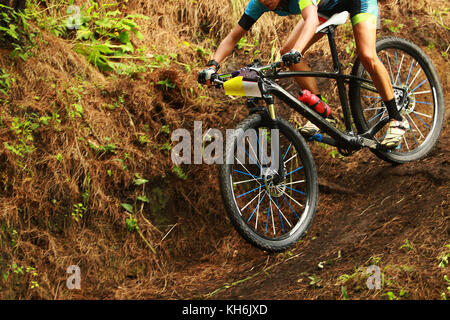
[308,83]
[365,36]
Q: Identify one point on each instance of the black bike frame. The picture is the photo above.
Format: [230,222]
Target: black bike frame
[349,140]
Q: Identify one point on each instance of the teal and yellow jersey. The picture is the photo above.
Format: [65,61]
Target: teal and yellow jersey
[360,10]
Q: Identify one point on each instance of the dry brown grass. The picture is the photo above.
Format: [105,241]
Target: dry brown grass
[39,191]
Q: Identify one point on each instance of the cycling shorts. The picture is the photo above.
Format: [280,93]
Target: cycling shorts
[360,10]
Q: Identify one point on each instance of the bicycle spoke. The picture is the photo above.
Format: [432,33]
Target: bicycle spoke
[399,68]
[424,102]
[418,72]
[257,213]
[426,80]
[390,69]
[244,181]
[257,208]
[281,213]
[409,73]
[426,125]
[249,192]
[281,216]
[287,151]
[377,115]
[412,131]
[371,97]
[406,143]
[257,196]
[369,109]
[298,191]
[249,174]
[420,132]
[290,207]
[291,183]
[290,197]
[273,220]
[267,218]
[262,151]
[294,171]
[259,163]
[290,158]
[425,115]
[422,92]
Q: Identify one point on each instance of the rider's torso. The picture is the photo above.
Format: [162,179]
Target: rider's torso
[287,7]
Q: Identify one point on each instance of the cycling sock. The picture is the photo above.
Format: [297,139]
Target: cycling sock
[392,109]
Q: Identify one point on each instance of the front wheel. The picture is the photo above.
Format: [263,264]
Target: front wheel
[270,205]
[422,105]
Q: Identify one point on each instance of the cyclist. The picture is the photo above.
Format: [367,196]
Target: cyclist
[364,16]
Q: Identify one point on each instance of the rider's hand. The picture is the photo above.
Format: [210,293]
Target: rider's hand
[292,57]
[205,75]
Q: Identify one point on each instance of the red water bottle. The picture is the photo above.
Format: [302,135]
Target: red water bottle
[314,102]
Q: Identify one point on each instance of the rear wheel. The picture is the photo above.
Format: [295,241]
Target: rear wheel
[270,209]
[421,101]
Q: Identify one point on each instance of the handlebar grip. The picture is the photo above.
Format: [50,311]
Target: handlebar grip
[214,77]
[292,57]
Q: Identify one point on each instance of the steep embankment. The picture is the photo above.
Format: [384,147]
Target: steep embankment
[87,179]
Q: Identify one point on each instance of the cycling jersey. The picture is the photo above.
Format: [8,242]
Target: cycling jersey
[360,10]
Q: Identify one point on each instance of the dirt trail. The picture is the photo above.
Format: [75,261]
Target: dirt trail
[388,205]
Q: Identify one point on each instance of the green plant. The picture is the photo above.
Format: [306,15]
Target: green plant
[128,207]
[78,211]
[403,293]
[16,32]
[19,272]
[5,81]
[391,295]
[11,235]
[243,43]
[334,153]
[406,245]
[104,38]
[344,293]
[166,84]
[143,139]
[138,180]
[444,257]
[103,149]
[23,130]
[132,224]
[179,172]
[393,27]
[101,32]
[315,281]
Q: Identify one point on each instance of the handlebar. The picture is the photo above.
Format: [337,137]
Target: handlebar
[263,71]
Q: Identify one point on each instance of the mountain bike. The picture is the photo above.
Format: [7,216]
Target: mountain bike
[272,206]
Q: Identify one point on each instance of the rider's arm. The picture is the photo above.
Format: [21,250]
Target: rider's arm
[311,22]
[252,12]
[227,45]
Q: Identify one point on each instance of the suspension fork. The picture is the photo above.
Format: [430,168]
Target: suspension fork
[268,98]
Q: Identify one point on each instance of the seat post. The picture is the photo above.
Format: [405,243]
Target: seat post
[333,48]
